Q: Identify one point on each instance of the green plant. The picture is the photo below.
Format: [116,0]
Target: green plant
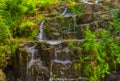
[4,55]
[25,27]
[100,54]
[92,61]
[33,34]
[14,47]
[70,45]
[4,32]
[91,48]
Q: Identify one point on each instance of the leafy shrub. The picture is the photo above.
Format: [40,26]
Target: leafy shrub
[100,55]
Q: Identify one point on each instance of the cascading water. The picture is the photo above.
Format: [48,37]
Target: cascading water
[40,35]
[29,74]
[52,59]
[65,63]
[34,59]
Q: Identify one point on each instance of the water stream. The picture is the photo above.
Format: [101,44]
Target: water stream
[40,35]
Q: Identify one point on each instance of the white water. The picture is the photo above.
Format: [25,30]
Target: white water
[29,73]
[64,65]
[87,2]
[32,61]
[64,12]
[64,62]
[31,50]
[40,35]
[54,42]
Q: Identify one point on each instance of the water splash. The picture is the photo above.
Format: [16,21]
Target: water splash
[64,12]
[40,35]
[54,42]
[87,2]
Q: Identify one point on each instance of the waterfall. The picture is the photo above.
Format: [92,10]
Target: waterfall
[40,35]
[31,50]
[31,62]
[64,65]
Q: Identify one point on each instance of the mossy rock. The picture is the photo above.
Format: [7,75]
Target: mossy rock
[2,76]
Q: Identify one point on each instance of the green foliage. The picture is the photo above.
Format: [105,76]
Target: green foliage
[28,29]
[33,34]
[4,55]
[100,55]
[23,26]
[4,33]
[14,47]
